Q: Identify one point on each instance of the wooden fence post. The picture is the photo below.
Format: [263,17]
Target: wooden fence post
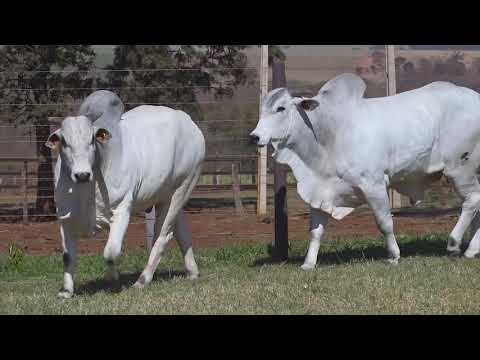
[395,197]
[25,191]
[262,156]
[236,190]
[150,228]
[280,181]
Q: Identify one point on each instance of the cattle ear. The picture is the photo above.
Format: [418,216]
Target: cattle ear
[308,104]
[102,135]
[54,139]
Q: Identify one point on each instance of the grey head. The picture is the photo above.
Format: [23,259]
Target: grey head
[279,110]
[77,141]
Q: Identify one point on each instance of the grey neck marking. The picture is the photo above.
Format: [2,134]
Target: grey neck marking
[306,120]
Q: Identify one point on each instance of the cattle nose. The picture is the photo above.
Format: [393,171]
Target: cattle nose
[254,139]
[82,177]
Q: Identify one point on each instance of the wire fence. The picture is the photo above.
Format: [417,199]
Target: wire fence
[225,122]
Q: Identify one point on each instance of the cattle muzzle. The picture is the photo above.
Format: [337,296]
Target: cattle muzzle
[82,177]
[254,139]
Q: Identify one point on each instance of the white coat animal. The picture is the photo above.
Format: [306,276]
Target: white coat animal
[345,150]
[113,164]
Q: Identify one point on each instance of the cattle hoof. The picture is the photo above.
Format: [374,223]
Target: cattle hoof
[453,248]
[193,276]
[307,267]
[64,294]
[392,261]
[470,254]
[454,253]
[138,285]
[112,276]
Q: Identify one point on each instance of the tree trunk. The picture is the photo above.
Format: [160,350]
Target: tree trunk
[45,204]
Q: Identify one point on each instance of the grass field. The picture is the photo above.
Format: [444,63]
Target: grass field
[351,278]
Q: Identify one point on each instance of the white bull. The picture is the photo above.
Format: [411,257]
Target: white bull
[345,150]
[113,164]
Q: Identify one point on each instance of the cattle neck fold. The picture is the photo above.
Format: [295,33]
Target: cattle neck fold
[306,120]
[304,149]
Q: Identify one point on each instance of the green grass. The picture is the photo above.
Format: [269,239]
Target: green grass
[351,278]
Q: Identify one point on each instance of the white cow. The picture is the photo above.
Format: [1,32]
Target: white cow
[113,164]
[345,150]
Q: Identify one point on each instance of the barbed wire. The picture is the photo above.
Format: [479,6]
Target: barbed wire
[97,70]
[123,87]
[198,122]
[210,139]
[135,103]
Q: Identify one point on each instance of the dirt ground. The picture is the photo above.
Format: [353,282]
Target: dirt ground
[222,226]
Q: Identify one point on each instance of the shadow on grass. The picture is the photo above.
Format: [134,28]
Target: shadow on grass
[347,254]
[125,281]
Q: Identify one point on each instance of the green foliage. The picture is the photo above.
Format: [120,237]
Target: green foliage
[16,255]
[193,78]
[180,73]
[38,82]
[275,52]
[32,74]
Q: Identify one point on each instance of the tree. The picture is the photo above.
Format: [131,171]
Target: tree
[178,73]
[192,78]
[275,53]
[455,64]
[378,60]
[37,80]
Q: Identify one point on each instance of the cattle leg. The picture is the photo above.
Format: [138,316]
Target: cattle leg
[467,187]
[474,246]
[179,198]
[377,198]
[473,241]
[474,226]
[318,221]
[184,239]
[113,248]
[69,244]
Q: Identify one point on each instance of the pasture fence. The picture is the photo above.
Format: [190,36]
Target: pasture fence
[238,181]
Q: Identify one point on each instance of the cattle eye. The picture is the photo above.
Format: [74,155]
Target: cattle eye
[280,109]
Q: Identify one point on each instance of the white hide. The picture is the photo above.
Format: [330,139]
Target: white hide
[345,150]
[152,157]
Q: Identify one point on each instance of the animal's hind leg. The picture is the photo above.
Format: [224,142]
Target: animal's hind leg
[474,246]
[474,226]
[468,188]
[184,239]
[178,200]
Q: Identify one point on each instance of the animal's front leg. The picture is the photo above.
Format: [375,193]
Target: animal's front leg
[318,221]
[69,244]
[377,198]
[112,250]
